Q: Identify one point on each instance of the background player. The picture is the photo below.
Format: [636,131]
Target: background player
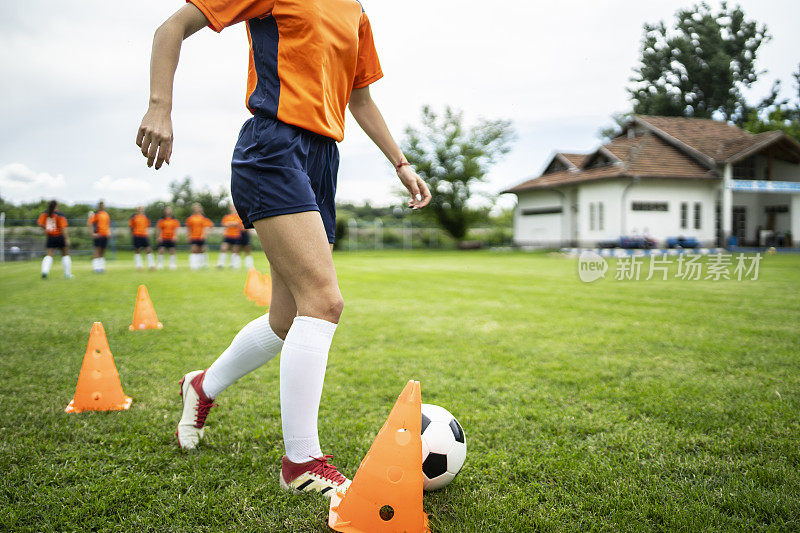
[283,183]
[230,238]
[140,229]
[167,226]
[197,224]
[246,250]
[99,224]
[55,227]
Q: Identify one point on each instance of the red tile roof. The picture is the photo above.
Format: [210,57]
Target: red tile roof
[671,147]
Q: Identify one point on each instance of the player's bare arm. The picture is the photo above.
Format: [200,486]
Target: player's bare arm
[369,117]
[155,133]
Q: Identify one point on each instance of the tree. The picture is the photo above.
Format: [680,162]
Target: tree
[698,68]
[776,114]
[452,159]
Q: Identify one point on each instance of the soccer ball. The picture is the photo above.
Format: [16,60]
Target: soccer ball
[444,448]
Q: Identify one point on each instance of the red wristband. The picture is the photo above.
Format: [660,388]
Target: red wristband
[398,166]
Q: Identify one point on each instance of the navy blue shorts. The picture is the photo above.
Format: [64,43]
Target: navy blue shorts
[278,169]
[56,241]
[233,241]
[166,243]
[198,242]
[140,242]
[244,240]
[101,242]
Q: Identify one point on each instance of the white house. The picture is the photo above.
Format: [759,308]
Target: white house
[667,177]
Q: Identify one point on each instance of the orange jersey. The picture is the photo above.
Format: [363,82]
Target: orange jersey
[197,225]
[101,222]
[53,225]
[139,225]
[306,56]
[167,228]
[233,232]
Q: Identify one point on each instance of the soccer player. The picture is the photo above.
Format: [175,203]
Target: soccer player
[246,249]
[308,60]
[230,239]
[140,229]
[55,227]
[99,223]
[167,226]
[197,224]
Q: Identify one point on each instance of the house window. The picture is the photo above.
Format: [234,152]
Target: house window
[698,215]
[600,217]
[591,216]
[745,170]
[542,211]
[649,206]
[684,215]
[776,209]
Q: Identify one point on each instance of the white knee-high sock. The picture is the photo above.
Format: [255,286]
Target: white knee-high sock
[223,259]
[137,259]
[173,262]
[236,261]
[96,264]
[102,264]
[193,262]
[66,262]
[150,260]
[303,361]
[47,262]
[248,262]
[160,261]
[252,347]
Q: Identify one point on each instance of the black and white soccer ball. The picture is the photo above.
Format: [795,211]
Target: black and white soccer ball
[444,448]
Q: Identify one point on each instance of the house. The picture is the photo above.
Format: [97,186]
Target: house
[667,177]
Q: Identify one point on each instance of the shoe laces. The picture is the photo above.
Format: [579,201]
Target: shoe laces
[325,470]
[203,407]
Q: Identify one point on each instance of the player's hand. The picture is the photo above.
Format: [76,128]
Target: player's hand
[420,195]
[155,136]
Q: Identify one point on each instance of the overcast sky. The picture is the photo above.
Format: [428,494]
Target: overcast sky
[75,86]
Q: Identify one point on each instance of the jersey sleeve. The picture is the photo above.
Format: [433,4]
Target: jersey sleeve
[62,222]
[41,220]
[368,68]
[224,13]
[130,222]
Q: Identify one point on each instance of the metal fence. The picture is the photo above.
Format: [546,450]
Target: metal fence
[23,239]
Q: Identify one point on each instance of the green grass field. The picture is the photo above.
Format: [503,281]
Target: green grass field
[609,406]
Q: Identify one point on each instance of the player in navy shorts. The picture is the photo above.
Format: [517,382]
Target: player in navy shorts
[308,62]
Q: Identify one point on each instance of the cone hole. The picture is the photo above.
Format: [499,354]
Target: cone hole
[96,352]
[386,513]
[96,396]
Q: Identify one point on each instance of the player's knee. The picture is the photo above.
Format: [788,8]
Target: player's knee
[328,306]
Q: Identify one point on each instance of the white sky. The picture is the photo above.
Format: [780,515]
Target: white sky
[75,86]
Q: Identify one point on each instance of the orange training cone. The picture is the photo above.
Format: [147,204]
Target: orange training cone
[386,492]
[250,284]
[98,387]
[144,314]
[257,289]
[266,292]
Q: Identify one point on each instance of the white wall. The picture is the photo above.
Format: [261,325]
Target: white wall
[661,225]
[540,230]
[607,193]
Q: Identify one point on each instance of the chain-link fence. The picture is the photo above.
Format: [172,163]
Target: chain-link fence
[23,239]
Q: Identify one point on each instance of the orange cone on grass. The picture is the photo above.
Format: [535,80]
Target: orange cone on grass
[386,492]
[99,388]
[257,289]
[144,314]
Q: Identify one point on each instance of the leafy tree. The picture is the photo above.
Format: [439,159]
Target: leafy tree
[777,114]
[699,67]
[452,159]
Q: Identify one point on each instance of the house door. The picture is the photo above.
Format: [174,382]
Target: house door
[739,223]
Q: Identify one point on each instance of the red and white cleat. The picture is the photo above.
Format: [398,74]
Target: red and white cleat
[196,406]
[316,475]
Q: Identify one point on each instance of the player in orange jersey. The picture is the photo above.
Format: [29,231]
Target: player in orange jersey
[309,60]
[230,238]
[167,226]
[198,224]
[140,229]
[55,227]
[99,223]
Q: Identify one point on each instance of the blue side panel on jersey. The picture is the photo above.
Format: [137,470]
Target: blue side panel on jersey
[264,35]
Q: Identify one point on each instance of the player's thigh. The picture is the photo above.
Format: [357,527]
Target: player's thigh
[297,247]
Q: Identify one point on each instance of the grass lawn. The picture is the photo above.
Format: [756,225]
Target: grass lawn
[607,406]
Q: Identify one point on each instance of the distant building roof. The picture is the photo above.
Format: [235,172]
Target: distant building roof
[663,147]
